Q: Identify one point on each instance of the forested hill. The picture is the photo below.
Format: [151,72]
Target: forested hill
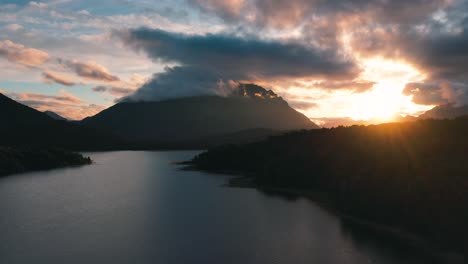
[17,160]
[413,175]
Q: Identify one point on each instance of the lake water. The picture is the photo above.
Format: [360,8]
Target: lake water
[138,207]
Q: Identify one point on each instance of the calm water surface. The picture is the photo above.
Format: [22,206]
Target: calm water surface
[137,207]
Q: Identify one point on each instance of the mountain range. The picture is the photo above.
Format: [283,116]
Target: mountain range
[447,111]
[192,118]
[250,113]
[21,125]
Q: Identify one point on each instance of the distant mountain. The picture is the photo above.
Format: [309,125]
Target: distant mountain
[55,116]
[21,125]
[448,111]
[192,118]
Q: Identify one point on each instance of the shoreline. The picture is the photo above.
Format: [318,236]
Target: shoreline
[24,160]
[324,201]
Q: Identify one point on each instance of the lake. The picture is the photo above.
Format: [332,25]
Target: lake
[139,207]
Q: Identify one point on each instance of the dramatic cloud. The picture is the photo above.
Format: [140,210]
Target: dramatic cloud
[431,35]
[20,54]
[293,13]
[53,77]
[313,53]
[207,59]
[89,70]
[240,57]
[438,92]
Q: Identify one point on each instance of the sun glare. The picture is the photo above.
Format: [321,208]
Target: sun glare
[386,100]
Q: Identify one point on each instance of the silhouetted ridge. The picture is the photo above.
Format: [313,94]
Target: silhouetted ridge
[253,91]
[18,160]
[21,125]
[191,118]
[448,111]
[413,175]
[55,116]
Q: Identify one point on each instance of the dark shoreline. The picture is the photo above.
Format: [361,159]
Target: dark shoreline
[21,160]
[435,248]
[323,199]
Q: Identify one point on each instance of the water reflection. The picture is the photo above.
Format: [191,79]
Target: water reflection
[137,207]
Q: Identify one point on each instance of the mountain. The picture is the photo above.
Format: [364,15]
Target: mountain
[21,125]
[55,116]
[191,118]
[448,111]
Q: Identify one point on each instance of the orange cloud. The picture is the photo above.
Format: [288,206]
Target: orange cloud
[90,70]
[53,77]
[64,104]
[19,54]
[229,8]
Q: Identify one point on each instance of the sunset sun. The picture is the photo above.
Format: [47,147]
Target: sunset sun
[386,100]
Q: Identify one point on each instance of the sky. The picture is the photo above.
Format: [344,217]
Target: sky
[336,61]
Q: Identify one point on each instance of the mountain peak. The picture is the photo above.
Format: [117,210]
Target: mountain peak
[251,90]
[446,111]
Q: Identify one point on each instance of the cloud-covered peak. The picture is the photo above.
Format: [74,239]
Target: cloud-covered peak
[205,61]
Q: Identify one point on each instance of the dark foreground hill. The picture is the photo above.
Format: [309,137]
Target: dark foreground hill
[411,175]
[55,116]
[199,118]
[23,126]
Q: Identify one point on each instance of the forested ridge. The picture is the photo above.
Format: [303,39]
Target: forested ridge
[411,175]
[17,160]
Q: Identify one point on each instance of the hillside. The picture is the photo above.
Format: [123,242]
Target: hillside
[18,160]
[21,125]
[55,116]
[191,118]
[411,175]
[447,111]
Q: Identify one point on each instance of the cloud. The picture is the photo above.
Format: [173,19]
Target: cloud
[13,27]
[204,60]
[113,90]
[99,88]
[19,54]
[229,9]
[64,104]
[294,13]
[84,12]
[438,48]
[63,96]
[39,5]
[120,91]
[356,86]
[7,7]
[239,56]
[89,70]
[437,92]
[53,77]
